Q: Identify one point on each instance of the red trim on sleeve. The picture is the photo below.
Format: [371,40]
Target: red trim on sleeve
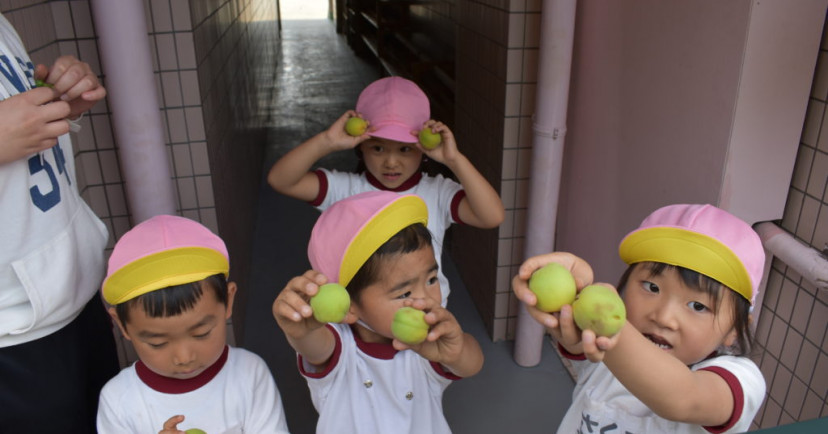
[438,368]
[323,188]
[334,359]
[738,398]
[455,206]
[569,355]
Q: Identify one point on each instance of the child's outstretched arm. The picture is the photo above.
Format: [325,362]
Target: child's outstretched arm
[294,315]
[290,175]
[446,342]
[698,397]
[482,206]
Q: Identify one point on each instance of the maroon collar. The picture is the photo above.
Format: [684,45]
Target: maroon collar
[408,184]
[374,349]
[163,384]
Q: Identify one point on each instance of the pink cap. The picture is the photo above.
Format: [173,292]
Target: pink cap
[162,251]
[352,229]
[701,238]
[394,107]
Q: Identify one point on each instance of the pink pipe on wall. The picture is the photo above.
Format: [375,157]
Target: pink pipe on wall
[554,65]
[121,27]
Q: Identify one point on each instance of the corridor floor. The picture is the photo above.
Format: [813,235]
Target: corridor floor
[317,79]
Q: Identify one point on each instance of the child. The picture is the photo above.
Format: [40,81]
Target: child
[167,282]
[361,379]
[678,365]
[396,109]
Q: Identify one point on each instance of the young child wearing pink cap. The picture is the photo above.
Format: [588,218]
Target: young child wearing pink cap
[679,364]
[391,160]
[361,379]
[167,284]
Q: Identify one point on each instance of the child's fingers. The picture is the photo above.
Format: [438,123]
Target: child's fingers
[170,425]
[293,306]
[590,347]
[570,334]
[520,286]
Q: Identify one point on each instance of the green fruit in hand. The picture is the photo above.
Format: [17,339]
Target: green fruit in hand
[409,326]
[195,431]
[41,83]
[428,139]
[600,309]
[554,287]
[356,126]
[331,303]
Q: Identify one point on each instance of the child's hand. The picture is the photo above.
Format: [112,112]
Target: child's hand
[580,270]
[170,426]
[338,139]
[595,347]
[292,308]
[74,82]
[447,152]
[446,342]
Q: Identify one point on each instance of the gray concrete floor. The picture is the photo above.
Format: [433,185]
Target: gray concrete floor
[318,78]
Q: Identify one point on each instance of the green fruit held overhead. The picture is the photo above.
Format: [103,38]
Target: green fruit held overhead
[409,326]
[331,303]
[600,309]
[356,126]
[195,431]
[554,287]
[428,139]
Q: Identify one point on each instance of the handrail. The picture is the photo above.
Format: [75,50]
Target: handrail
[806,260]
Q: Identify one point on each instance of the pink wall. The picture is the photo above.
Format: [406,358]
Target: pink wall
[652,121]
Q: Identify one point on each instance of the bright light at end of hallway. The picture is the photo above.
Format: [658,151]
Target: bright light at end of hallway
[304,9]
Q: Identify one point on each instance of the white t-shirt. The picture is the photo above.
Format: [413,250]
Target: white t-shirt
[374,389]
[441,195]
[52,255]
[600,403]
[236,395]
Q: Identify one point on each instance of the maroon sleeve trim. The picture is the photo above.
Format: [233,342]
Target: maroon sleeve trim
[438,368]
[331,362]
[323,188]
[455,206]
[738,398]
[569,355]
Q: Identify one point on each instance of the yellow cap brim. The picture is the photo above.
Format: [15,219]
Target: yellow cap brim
[690,250]
[398,215]
[163,269]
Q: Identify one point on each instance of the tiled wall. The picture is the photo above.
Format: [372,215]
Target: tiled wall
[497,50]
[791,334]
[235,43]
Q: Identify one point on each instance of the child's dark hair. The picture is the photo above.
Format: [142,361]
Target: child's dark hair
[410,239]
[713,288]
[173,300]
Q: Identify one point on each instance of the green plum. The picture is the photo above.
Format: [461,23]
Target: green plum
[195,431]
[41,83]
[600,309]
[428,139]
[554,287]
[356,126]
[331,303]
[409,326]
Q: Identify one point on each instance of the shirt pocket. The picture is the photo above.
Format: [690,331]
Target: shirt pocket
[63,275]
